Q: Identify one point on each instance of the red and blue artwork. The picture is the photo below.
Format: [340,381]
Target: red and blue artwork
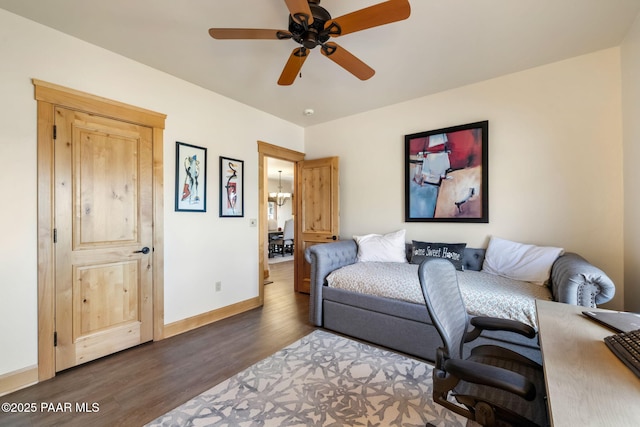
[446,174]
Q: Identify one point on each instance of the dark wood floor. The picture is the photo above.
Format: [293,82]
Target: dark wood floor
[136,386]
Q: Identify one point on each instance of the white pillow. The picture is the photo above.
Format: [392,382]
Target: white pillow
[387,248]
[519,261]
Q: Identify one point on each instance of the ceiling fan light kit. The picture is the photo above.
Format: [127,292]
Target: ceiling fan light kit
[311,25]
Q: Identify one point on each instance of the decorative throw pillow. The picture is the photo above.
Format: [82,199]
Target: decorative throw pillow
[450,251]
[382,248]
[519,261]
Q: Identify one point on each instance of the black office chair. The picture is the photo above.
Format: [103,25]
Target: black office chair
[494,386]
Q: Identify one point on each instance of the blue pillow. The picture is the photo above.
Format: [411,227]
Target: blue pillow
[452,252]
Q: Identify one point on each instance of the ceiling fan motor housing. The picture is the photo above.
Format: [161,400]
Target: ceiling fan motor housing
[312,35]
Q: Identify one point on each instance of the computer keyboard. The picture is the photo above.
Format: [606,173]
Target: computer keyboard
[626,346]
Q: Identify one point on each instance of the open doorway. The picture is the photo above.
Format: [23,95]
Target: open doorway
[280,215]
[315,208]
[280,158]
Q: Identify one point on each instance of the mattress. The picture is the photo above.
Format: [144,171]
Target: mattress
[484,294]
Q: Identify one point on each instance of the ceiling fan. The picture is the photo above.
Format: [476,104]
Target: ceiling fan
[311,25]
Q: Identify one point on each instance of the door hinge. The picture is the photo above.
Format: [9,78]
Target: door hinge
[55,235]
[55,131]
[55,339]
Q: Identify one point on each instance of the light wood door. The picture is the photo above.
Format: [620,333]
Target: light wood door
[318,221]
[103,222]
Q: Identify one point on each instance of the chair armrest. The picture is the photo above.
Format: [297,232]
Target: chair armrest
[496,324]
[324,258]
[576,281]
[479,373]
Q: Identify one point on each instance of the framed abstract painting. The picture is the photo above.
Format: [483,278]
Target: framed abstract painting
[191,178]
[231,187]
[446,174]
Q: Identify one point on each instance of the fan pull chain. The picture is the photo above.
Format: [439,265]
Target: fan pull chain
[302,62]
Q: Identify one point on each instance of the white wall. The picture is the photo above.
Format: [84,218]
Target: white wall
[631,112]
[555,159]
[200,248]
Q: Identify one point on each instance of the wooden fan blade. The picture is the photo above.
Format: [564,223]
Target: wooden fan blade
[293,66]
[248,33]
[347,60]
[372,16]
[300,11]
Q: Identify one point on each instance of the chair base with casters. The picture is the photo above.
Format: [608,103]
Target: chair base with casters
[493,386]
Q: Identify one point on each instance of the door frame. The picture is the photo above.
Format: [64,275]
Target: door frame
[49,96]
[268,150]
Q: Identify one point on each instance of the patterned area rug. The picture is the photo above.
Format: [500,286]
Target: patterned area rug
[320,380]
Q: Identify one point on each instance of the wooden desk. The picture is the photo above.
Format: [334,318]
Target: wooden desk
[587,385]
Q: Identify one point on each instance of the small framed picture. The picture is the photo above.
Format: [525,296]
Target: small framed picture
[191,178]
[231,187]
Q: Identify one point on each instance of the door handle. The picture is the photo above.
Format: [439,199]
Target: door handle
[144,250]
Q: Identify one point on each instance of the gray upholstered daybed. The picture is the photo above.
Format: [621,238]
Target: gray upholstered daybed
[406,326]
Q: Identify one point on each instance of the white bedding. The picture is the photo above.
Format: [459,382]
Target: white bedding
[484,294]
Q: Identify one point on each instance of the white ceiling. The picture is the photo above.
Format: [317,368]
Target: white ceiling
[276,165]
[444,44]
